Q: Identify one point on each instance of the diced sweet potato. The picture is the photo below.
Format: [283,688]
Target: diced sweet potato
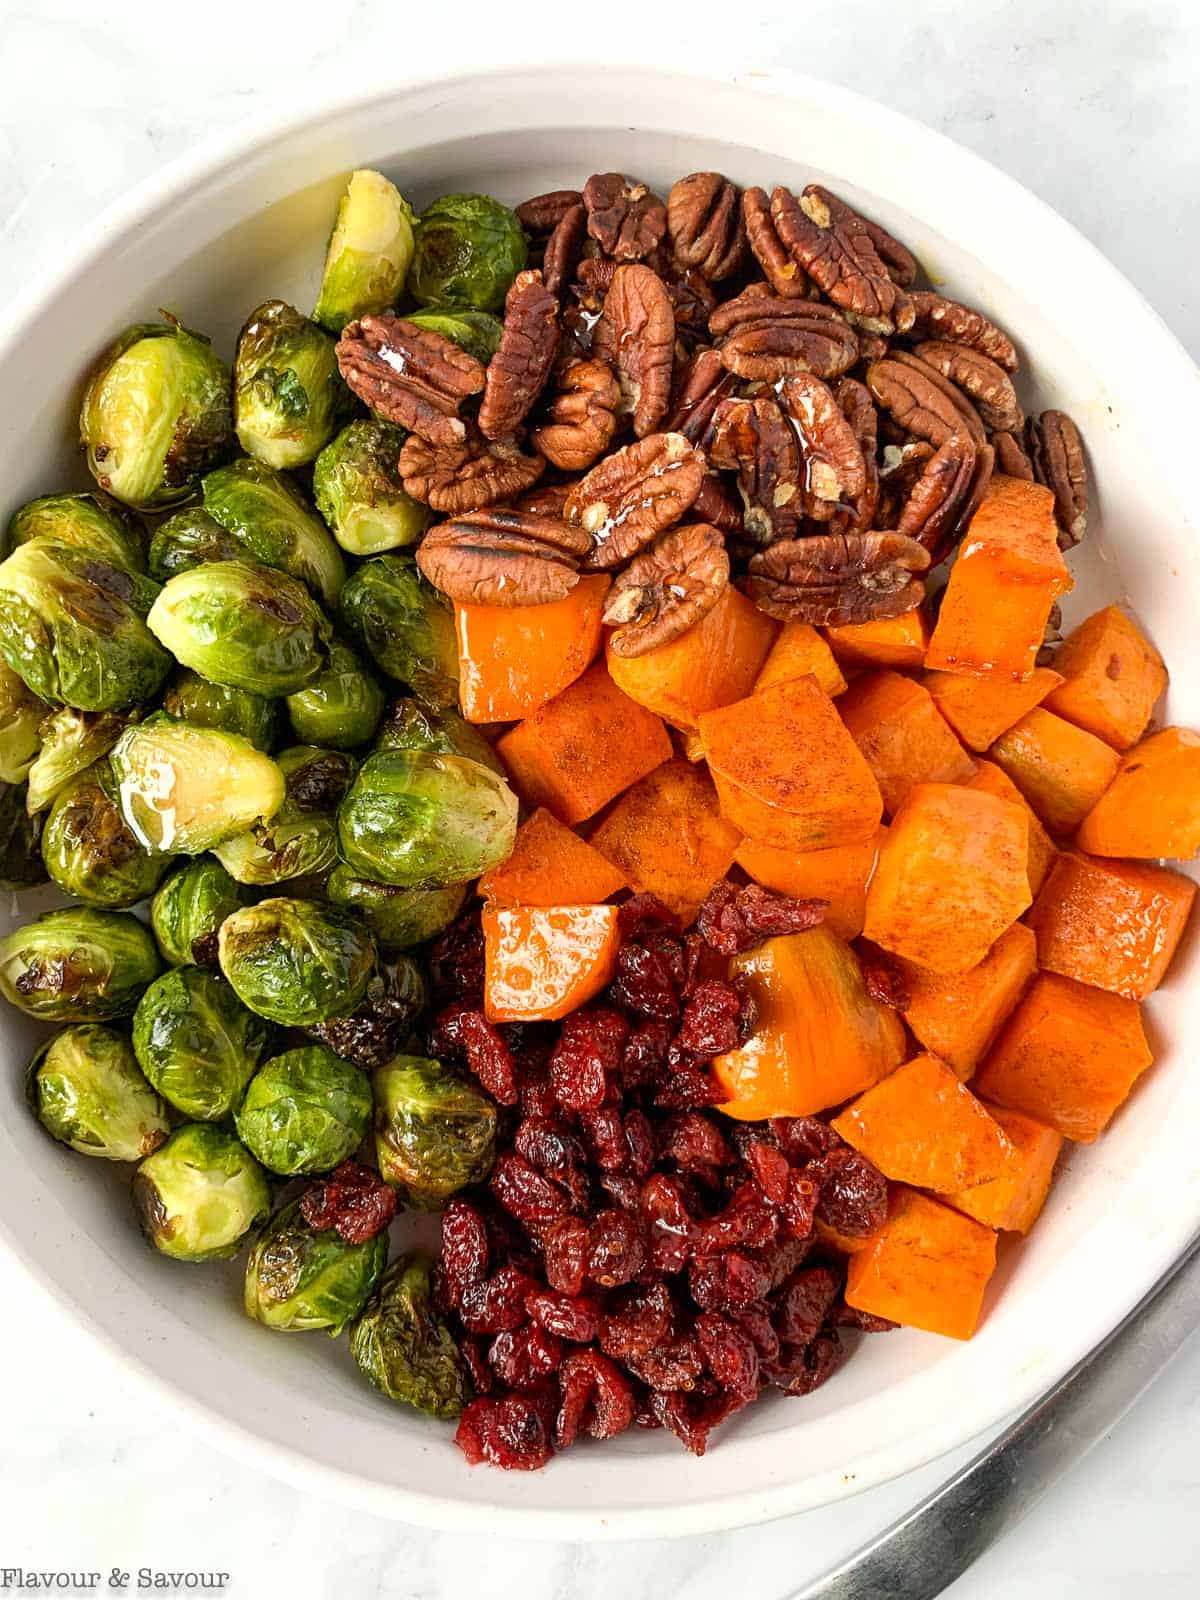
[788,772]
[951,877]
[820,1037]
[692,745]
[838,876]
[905,740]
[710,665]
[889,642]
[981,709]
[583,748]
[923,1126]
[551,866]
[1113,677]
[1008,573]
[1061,770]
[1068,1055]
[1114,924]
[512,659]
[542,961]
[668,837]
[958,1017]
[927,1267]
[798,651]
[991,779]
[1152,807]
[1013,1201]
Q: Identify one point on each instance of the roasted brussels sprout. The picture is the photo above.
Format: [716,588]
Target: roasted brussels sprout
[21,718]
[414,818]
[382,1025]
[275,525]
[369,251]
[409,725]
[92,522]
[200,1195]
[187,539]
[434,1131]
[72,627]
[77,965]
[296,961]
[305,1111]
[21,864]
[404,1348]
[469,248]
[189,908]
[243,625]
[191,698]
[196,1043]
[298,1279]
[476,332]
[71,741]
[90,850]
[87,1092]
[155,415]
[358,490]
[287,391]
[301,838]
[183,789]
[399,918]
[341,707]
[405,626]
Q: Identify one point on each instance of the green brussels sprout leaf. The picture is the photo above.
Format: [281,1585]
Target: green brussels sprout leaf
[403,1347]
[296,962]
[434,1131]
[305,1111]
[359,492]
[86,1091]
[298,1278]
[399,918]
[93,522]
[405,626]
[275,525]
[200,1195]
[369,251]
[77,965]
[196,1043]
[469,248]
[188,910]
[90,850]
[341,707]
[287,391]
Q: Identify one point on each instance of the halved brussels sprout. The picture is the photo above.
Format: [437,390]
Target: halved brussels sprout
[409,725]
[21,718]
[183,789]
[72,627]
[188,539]
[469,248]
[405,625]
[275,525]
[87,1092]
[287,391]
[403,1347]
[382,1025]
[305,1111]
[399,918]
[93,522]
[476,332]
[200,1195]
[296,961]
[341,707]
[90,850]
[241,624]
[414,818]
[155,415]
[21,864]
[196,1043]
[359,492]
[78,965]
[189,908]
[369,251]
[301,838]
[434,1131]
[71,742]
[298,1279]
[191,698]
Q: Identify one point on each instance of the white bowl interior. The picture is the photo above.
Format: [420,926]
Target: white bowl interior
[213,242]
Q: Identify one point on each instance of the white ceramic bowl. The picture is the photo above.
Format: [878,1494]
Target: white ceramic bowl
[216,234]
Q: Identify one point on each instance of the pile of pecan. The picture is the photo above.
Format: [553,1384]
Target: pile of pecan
[725,387]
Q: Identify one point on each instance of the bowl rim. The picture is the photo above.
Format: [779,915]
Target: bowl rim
[269,129]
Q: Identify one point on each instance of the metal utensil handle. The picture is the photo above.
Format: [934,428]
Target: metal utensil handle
[919,1556]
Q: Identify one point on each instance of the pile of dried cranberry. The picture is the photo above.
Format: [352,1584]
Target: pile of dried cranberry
[633,1258]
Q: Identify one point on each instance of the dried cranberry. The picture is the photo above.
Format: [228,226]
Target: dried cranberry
[463,1030]
[694,1143]
[597,1399]
[688,1085]
[885,980]
[853,1193]
[464,1256]
[642,913]
[728,1282]
[803,1303]
[482,1378]
[622,1189]
[692,1419]
[748,1220]
[536,1097]
[524,1358]
[643,1060]
[587,1055]
[802,1138]
[730,1354]
[556,1152]
[799,1370]
[616,1248]
[573,1317]
[525,1194]
[800,1204]
[512,1432]
[643,1320]
[844,1316]
[712,1020]
[456,961]
[496,1305]
[675,1367]
[783,1257]
[353,1200]
[645,983]
[736,917]
[770,1169]
[756,1321]
[605,1135]
[565,1253]
[669,1221]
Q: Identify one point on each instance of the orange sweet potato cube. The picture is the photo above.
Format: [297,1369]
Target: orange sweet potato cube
[788,772]
[1013,1201]
[981,709]
[668,838]
[512,659]
[798,651]
[889,642]
[1114,924]
[1061,770]
[951,877]
[1068,1055]
[583,748]
[923,1126]
[838,876]
[540,962]
[958,1017]
[991,779]
[905,740]
[927,1267]
[1113,676]
[1152,807]
[551,866]
[1008,573]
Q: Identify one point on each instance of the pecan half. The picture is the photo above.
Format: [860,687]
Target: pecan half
[833,472]
[560,257]
[701,383]
[503,558]
[625,219]
[859,411]
[1012,459]
[544,212]
[466,476]
[967,417]
[754,439]
[636,336]
[980,378]
[939,318]
[715,504]
[931,512]
[900,468]
[409,375]
[517,373]
[704,220]
[693,301]
[920,400]
[900,262]
[633,494]
[582,415]
[769,337]
[838,578]
[782,271]
[667,589]
[546,500]
[840,257]
[1058,460]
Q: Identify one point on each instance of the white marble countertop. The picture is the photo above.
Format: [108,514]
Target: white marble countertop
[1097,113]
